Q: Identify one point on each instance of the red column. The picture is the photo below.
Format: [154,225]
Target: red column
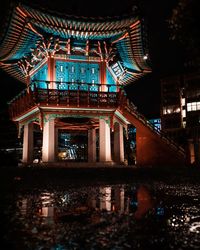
[51,72]
[103,75]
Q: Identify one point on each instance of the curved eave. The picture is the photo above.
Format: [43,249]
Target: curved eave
[131,77]
[19,38]
[131,49]
[78,34]
[14,71]
[21,35]
[76,27]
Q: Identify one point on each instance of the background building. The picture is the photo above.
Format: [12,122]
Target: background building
[180,111]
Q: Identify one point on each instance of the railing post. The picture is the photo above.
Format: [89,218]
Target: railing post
[98,95]
[47,83]
[78,90]
[35,93]
[58,92]
[88,96]
[68,97]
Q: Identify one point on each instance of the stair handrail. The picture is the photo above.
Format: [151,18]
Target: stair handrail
[133,110]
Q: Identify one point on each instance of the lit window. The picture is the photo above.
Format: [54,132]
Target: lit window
[61,79]
[72,69]
[183,113]
[93,71]
[183,101]
[61,68]
[193,106]
[189,108]
[169,111]
[72,79]
[93,81]
[198,105]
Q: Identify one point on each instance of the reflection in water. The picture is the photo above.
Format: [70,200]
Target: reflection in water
[145,202]
[195,227]
[105,198]
[104,217]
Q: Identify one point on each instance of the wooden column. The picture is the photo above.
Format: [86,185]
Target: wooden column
[51,72]
[28,143]
[104,140]
[48,146]
[103,76]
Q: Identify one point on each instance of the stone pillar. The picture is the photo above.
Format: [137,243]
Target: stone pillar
[118,143]
[92,145]
[104,140]
[28,143]
[48,145]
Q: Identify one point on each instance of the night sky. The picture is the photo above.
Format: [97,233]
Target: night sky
[165,56]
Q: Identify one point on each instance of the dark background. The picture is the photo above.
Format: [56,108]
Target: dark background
[165,56]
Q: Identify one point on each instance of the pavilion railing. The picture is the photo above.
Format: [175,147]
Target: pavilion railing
[92,95]
[65,94]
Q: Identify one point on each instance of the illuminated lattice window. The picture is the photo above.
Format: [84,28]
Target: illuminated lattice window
[117,69]
[62,86]
[74,72]
[83,87]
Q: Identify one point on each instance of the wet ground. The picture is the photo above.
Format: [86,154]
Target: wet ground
[100,209]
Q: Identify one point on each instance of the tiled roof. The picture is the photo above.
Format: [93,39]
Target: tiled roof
[28,25]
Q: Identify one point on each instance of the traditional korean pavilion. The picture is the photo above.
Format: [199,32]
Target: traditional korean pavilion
[74,70]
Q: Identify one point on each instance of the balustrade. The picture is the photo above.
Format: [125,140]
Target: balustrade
[66,94]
